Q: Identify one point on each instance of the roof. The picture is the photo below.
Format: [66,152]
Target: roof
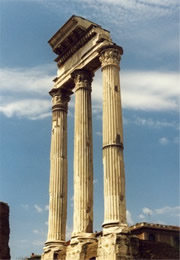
[154,226]
[70,32]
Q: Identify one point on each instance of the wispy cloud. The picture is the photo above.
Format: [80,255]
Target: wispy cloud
[147,211]
[29,108]
[130,221]
[149,122]
[130,15]
[35,80]
[46,207]
[38,208]
[163,141]
[141,216]
[172,211]
[24,92]
[150,90]
[36,231]
[25,206]
[27,95]
[145,90]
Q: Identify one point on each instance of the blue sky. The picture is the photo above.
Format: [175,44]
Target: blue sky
[148,32]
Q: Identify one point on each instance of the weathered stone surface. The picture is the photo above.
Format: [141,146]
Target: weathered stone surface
[58,171]
[4,231]
[83,155]
[117,247]
[82,47]
[113,163]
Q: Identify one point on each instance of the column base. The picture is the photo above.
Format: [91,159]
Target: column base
[115,227]
[82,247]
[54,249]
[81,237]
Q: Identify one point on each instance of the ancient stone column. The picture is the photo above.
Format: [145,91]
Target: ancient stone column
[114,176]
[83,156]
[58,169]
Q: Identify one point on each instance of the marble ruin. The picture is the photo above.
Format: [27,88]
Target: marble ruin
[82,47]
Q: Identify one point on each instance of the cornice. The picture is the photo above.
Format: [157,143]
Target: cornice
[74,47]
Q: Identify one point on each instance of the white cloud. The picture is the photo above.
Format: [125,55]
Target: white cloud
[149,122]
[46,207]
[147,211]
[173,211]
[130,15]
[163,141]
[141,90]
[149,90]
[141,216]
[38,208]
[35,231]
[27,80]
[152,215]
[129,218]
[145,90]
[29,108]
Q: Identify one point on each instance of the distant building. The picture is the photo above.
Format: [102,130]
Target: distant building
[157,232]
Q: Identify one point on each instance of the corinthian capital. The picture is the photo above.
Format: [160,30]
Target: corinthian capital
[110,56]
[60,98]
[82,79]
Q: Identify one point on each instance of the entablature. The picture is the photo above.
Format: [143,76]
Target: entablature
[77,44]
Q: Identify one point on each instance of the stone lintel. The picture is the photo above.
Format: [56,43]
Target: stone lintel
[85,58]
[76,44]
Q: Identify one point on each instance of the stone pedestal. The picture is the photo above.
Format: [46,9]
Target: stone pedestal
[122,246]
[114,177]
[83,157]
[58,174]
[84,249]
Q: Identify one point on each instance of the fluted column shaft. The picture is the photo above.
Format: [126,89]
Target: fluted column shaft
[58,168]
[83,155]
[114,176]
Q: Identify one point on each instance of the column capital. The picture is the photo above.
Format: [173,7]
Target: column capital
[60,98]
[110,55]
[82,79]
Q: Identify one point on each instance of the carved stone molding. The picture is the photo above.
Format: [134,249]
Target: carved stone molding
[74,46]
[60,99]
[110,56]
[82,79]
